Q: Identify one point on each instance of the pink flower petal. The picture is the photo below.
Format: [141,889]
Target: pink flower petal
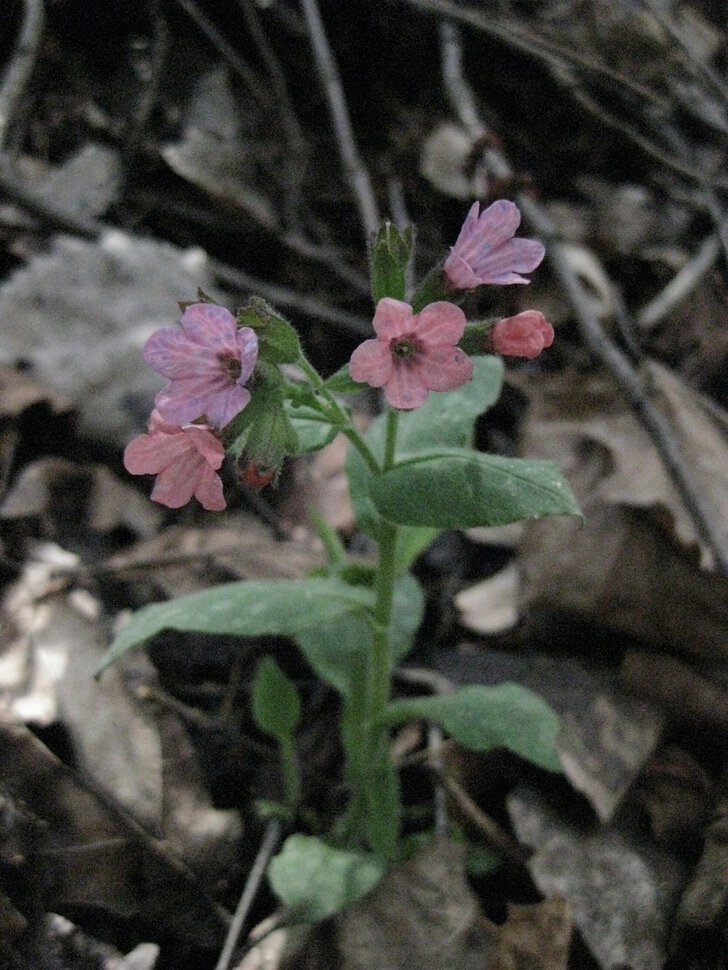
[247,352]
[207,445]
[440,323]
[208,490]
[405,390]
[169,352]
[371,363]
[150,454]
[445,368]
[486,252]
[175,485]
[392,318]
[210,326]
[188,399]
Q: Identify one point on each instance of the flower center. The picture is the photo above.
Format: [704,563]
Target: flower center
[404,347]
[231,366]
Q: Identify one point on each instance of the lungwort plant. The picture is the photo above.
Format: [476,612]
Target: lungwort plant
[412,474]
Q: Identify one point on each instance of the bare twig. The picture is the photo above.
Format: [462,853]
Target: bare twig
[249,77]
[252,885]
[354,167]
[630,384]
[21,66]
[681,285]
[628,380]
[495,837]
[297,148]
[283,296]
[563,62]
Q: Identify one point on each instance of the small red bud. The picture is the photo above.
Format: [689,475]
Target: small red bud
[256,477]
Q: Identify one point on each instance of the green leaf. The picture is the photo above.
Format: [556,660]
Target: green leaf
[483,718]
[342,382]
[447,419]
[334,649]
[314,881]
[312,429]
[455,488]
[389,258]
[276,704]
[276,607]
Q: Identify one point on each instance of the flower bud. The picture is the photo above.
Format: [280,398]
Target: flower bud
[524,335]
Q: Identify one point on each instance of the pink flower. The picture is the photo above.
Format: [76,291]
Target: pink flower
[207,362]
[486,252]
[524,335]
[413,354]
[185,461]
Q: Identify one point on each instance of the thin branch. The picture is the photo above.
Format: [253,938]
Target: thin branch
[681,285]
[21,66]
[236,62]
[297,147]
[283,296]
[250,891]
[354,167]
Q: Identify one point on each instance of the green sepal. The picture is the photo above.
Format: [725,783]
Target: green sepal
[342,382]
[278,342]
[434,288]
[389,257]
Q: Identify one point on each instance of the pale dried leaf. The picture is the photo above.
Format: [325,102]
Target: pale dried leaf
[215,152]
[491,606]
[87,309]
[447,163]
[608,735]
[622,892]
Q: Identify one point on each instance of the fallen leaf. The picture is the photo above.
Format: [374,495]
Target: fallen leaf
[622,892]
[633,566]
[87,309]
[535,937]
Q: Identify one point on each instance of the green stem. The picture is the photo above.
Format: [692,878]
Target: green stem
[338,416]
[383,801]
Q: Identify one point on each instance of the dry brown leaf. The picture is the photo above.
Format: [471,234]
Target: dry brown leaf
[88,856]
[135,754]
[535,937]
[632,565]
[54,488]
[183,560]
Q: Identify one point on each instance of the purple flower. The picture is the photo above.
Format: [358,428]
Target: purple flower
[486,252]
[185,461]
[207,363]
[413,354]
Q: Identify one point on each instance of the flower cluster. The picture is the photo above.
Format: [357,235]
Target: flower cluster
[207,360]
[414,354]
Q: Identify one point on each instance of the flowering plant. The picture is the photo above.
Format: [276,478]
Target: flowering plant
[412,474]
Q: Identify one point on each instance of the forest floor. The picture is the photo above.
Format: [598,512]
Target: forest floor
[152,149]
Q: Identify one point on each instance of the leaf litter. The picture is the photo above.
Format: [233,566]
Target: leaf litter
[621,625]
